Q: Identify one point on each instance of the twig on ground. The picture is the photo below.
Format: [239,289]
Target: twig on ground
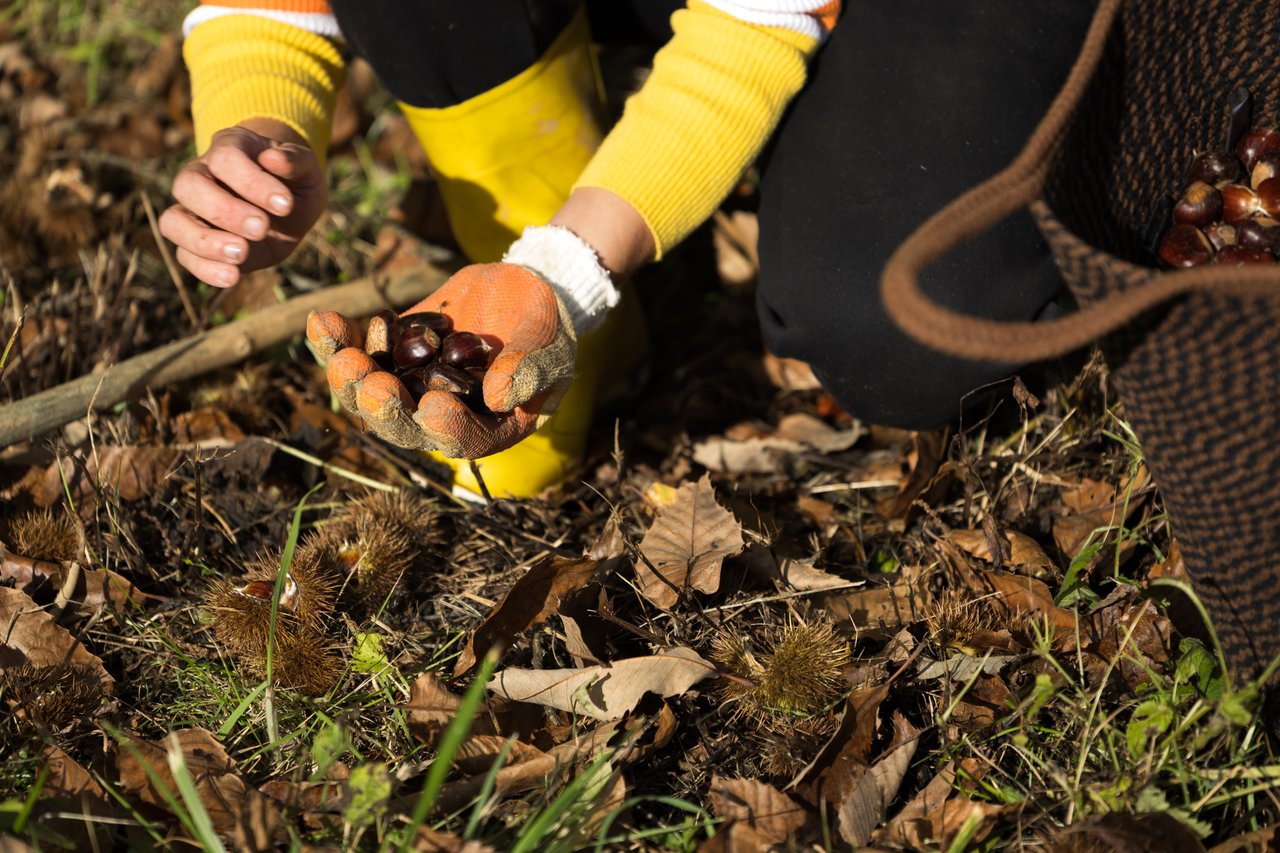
[219,347]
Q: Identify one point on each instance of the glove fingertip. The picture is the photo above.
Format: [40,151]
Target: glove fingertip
[500,393]
[330,332]
[346,371]
[380,395]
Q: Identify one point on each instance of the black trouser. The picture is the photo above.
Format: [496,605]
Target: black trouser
[908,104]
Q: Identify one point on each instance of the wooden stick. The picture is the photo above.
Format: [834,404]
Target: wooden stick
[219,347]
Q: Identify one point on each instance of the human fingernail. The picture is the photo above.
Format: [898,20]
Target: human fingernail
[233,251]
[279,203]
[227,277]
[256,227]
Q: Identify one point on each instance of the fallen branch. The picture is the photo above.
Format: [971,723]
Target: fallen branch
[219,347]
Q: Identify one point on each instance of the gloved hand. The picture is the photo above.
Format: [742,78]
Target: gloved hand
[531,364]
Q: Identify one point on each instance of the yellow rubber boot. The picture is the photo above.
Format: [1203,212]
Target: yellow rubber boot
[507,159]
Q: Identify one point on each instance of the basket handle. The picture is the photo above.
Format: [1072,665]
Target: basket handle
[1012,189]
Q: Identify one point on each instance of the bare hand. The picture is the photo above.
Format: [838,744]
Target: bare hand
[246,203]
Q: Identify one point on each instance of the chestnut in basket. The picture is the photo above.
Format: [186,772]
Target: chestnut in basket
[1185,246]
[1239,256]
[1200,205]
[1228,212]
[1239,202]
[1256,143]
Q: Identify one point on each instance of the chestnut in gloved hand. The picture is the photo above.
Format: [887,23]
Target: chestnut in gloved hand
[531,341]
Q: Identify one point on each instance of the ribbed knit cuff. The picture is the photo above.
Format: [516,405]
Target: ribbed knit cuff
[245,66]
[717,91]
[572,268]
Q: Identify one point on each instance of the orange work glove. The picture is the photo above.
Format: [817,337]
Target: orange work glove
[531,364]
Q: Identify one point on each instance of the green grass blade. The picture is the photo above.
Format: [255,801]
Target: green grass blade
[454,735]
[240,710]
[286,560]
[200,820]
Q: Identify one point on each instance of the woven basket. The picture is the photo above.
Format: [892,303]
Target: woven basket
[1194,354]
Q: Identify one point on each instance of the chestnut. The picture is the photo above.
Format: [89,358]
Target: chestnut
[382,334]
[1258,232]
[1221,234]
[1214,167]
[1239,202]
[1268,166]
[444,377]
[415,382]
[433,320]
[416,349]
[1256,143]
[1239,256]
[1185,246]
[1269,196]
[464,349]
[1199,205]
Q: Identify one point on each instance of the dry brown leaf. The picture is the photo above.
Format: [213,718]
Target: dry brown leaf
[736,838]
[771,813]
[329,797]
[1011,598]
[883,604]
[235,809]
[532,599]
[427,840]
[790,374]
[93,588]
[31,636]
[849,746]
[759,453]
[1171,567]
[1250,842]
[81,807]
[526,767]
[431,706]
[605,692]
[748,456]
[817,434]
[927,477]
[1122,627]
[477,754]
[1155,832]
[985,700]
[871,790]
[936,814]
[1094,509]
[1025,554]
[803,576]
[687,545]
[206,427]
[131,471]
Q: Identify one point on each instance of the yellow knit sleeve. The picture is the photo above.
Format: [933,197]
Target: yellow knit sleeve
[716,92]
[245,66]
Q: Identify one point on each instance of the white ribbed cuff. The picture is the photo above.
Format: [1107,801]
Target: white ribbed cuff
[572,268]
[794,15]
[312,22]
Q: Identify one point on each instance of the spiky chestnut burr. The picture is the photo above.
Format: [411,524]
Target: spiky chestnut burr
[240,615]
[43,535]
[50,698]
[306,662]
[797,670]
